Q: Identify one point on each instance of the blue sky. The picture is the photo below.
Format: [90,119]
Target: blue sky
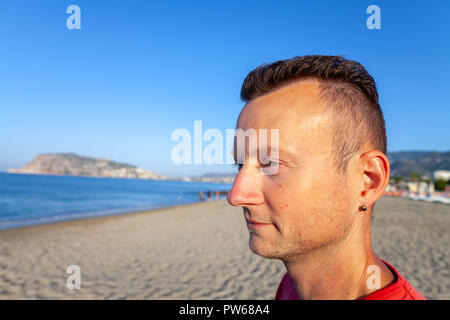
[138,70]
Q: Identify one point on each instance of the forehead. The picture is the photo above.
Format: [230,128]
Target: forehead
[296,110]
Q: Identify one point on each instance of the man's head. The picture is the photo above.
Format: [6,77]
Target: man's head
[332,146]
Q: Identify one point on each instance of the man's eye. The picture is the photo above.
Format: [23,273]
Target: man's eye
[238,166]
[270,164]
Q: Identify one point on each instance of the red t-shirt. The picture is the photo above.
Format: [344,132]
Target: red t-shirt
[400,289]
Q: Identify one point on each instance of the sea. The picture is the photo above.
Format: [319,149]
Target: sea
[27,199]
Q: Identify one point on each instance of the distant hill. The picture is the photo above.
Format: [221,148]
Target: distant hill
[402,164]
[75,165]
[423,162]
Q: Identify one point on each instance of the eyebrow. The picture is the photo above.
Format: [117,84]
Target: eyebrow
[257,151]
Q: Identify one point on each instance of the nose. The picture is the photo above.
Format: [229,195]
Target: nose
[247,188]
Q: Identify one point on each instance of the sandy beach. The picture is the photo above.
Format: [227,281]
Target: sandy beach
[200,251]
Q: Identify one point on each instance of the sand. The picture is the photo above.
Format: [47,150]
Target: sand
[199,251]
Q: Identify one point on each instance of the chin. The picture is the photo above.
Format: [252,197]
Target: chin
[262,248]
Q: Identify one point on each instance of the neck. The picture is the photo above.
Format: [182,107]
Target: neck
[338,271]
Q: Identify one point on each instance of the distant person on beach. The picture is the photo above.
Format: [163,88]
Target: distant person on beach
[314,213]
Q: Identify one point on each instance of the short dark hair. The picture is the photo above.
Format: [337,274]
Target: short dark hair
[345,85]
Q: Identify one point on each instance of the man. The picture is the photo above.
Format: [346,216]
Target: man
[314,211]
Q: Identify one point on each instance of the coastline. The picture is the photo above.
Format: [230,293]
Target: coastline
[91,219]
[29,200]
[89,216]
[160,178]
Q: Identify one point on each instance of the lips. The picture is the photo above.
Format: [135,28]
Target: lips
[257,224]
[252,223]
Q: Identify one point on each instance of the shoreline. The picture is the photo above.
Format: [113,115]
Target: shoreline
[41,199]
[107,216]
[164,178]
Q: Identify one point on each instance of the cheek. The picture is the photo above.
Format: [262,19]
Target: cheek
[304,194]
[280,198]
[308,211]
[296,197]
[331,215]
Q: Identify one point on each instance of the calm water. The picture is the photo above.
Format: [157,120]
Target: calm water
[35,199]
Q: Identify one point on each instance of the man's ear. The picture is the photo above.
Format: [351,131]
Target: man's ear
[376,170]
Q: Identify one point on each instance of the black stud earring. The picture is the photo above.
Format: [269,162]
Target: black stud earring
[363,208]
